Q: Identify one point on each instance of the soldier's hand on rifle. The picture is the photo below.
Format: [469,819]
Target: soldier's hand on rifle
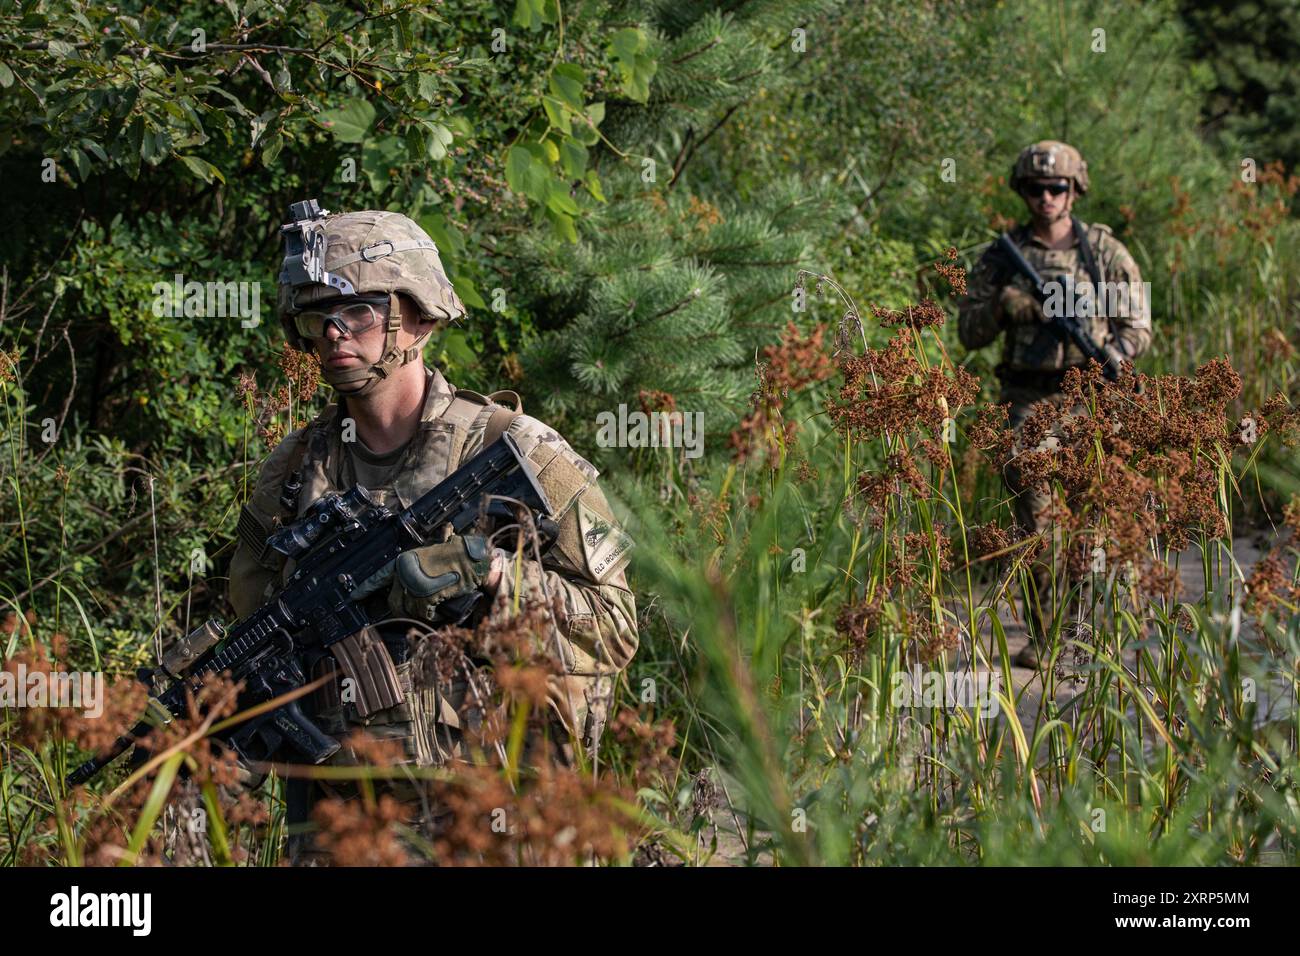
[424,577]
[1019,306]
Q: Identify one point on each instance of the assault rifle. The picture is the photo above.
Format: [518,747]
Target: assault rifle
[340,542]
[1108,358]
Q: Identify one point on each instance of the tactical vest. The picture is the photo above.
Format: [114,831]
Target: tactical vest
[316,467]
[1039,347]
[439,446]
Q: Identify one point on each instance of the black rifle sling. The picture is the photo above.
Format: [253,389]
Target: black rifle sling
[1085,253]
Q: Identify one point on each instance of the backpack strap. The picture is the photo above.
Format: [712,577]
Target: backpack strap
[481,417]
[502,415]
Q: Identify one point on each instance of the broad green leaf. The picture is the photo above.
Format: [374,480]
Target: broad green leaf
[567,81]
[636,68]
[563,225]
[627,42]
[95,148]
[592,182]
[519,162]
[440,140]
[350,122]
[379,158]
[573,157]
[272,149]
[135,145]
[468,292]
[531,14]
[528,14]
[427,86]
[587,134]
[450,241]
[81,161]
[559,200]
[201,168]
[154,146]
[556,113]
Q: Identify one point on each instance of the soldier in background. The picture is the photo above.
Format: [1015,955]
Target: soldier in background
[1049,176]
[365,294]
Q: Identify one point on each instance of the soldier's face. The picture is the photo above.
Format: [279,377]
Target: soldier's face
[339,351]
[1048,199]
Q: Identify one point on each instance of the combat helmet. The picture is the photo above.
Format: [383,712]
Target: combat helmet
[1050,158]
[360,253]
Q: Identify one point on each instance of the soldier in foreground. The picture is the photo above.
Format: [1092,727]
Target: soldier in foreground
[364,290]
[1049,176]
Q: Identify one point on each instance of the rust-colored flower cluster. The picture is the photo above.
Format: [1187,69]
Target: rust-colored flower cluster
[1138,461]
[104,835]
[857,625]
[898,475]
[887,391]
[554,816]
[989,542]
[924,315]
[1271,588]
[710,512]
[654,400]
[361,832]
[1260,206]
[794,363]
[648,743]
[302,369]
[35,726]
[954,274]
[9,365]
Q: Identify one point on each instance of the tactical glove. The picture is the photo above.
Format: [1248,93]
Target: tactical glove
[1019,306]
[423,578]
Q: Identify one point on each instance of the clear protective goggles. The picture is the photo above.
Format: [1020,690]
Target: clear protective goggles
[351,318]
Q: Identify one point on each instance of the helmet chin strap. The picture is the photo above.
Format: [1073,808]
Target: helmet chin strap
[392,358]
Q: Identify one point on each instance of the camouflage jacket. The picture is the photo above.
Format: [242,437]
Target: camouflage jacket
[1123,320]
[584,568]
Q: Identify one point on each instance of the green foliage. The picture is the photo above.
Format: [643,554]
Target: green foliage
[623,194]
[1250,51]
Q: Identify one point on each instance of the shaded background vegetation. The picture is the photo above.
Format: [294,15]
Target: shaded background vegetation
[623,194]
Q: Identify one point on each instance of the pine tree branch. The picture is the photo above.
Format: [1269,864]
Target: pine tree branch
[685,155]
[695,294]
[694,53]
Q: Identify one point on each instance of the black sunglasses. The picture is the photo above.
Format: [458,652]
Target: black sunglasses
[1033,190]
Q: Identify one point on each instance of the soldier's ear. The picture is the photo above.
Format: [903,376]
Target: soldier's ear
[413,318]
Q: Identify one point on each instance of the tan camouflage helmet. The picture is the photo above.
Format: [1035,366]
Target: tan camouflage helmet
[1050,159]
[362,253]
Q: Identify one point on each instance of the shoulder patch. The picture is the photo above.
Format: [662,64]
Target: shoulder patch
[605,546]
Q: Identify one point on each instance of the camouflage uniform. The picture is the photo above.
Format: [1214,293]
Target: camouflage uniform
[584,569]
[1035,355]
